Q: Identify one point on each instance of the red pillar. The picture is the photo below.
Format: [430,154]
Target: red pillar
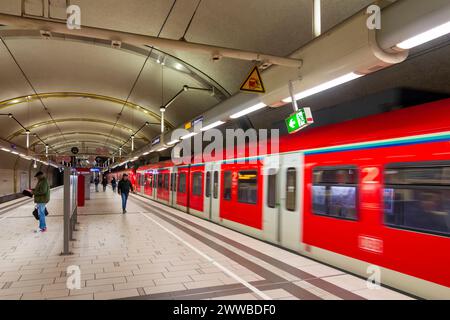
[81,187]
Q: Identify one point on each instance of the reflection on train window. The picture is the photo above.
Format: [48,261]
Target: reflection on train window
[271,188]
[182,183]
[155,181]
[334,192]
[173,182]
[150,181]
[227,185]
[197,183]
[418,198]
[160,181]
[291,189]
[208,185]
[248,186]
[166,181]
[216,184]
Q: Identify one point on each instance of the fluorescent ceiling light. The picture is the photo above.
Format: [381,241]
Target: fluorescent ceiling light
[14,152]
[146,153]
[324,86]
[7,150]
[213,125]
[248,110]
[161,149]
[173,142]
[189,135]
[426,36]
[178,66]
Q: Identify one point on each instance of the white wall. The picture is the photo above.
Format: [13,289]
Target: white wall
[11,165]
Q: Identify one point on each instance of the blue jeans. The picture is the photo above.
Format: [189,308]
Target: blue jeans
[124,200]
[41,212]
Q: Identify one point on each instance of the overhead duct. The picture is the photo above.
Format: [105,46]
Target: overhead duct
[349,49]
[215,52]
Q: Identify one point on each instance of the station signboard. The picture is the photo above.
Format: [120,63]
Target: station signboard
[299,120]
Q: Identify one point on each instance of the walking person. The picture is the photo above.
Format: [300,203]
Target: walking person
[124,189]
[114,184]
[96,182]
[41,197]
[104,183]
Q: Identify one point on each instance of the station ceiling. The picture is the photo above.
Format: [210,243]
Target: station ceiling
[93,94]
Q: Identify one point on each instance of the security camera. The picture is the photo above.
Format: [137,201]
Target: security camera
[216,57]
[116,44]
[46,34]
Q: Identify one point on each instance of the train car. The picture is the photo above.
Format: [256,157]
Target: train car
[362,194]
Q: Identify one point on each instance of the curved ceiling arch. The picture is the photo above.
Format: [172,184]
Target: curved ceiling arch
[46,123]
[50,138]
[88,144]
[156,54]
[16,101]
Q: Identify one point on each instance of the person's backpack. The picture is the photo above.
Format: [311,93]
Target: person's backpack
[36,213]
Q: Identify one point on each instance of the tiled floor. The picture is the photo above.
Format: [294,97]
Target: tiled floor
[155,252]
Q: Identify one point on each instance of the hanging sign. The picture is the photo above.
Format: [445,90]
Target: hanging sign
[253,83]
[299,120]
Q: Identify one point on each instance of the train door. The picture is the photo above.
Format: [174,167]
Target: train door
[290,189]
[215,192]
[156,177]
[208,191]
[271,198]
[173,187]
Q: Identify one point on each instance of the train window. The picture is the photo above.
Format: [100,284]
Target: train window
[271,188]
[166,181]
[155,181]
[291,189]
[216,184]
[182,183]
[334,192]
[160,181]
[173,182]
[197,183]
[208,185]
[227,185]
[248,186]
[418,198]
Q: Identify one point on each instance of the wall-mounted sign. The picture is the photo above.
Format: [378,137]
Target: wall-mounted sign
[253,82]
[74,150]
[196,121]
[299,120]
[156,141]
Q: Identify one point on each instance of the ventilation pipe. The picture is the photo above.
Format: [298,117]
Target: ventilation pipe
[216,53]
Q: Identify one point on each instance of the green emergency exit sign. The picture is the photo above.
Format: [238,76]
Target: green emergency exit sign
[299,120]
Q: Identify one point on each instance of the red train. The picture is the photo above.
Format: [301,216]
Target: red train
[371,191]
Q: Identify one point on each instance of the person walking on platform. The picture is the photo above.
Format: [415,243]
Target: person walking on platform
[41,197]
[96,182]
[124,189]
[104,183]
[114,184]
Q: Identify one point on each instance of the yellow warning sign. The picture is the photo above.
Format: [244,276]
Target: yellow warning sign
[253,83]
[188,125]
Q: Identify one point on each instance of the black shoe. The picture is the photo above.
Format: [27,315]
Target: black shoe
[124,211]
